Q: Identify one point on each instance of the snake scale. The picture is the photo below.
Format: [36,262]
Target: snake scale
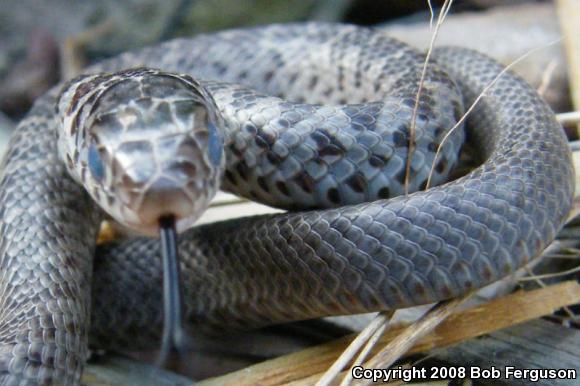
[327,127]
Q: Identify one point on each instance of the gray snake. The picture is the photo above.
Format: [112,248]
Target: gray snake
[348,258]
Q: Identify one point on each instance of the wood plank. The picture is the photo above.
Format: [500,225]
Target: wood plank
[116,370]
[537,344]
[500,313]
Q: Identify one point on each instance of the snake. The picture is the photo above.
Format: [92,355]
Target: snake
[324,120]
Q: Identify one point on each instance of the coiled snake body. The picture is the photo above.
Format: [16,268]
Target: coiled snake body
[294,153]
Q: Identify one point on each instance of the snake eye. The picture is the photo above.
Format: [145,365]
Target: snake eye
[215,144]
[96,163]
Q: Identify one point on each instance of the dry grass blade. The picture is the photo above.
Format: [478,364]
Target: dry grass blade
[442,14]
[407,339]
[547,77]
[364,354]
[562,256]
[568,118]
[378,323]
[377,327]
[551,275]
[431,15]
[228,203]
[476,101]
[500,313]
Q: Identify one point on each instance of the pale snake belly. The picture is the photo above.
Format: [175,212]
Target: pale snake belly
[351,257]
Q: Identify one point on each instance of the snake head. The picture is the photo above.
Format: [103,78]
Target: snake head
[145,144]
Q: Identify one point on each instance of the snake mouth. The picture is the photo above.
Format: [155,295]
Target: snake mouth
[141,205]
[165,197]
[156,204]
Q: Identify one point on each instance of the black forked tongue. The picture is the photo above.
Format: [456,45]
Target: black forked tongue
[175,339]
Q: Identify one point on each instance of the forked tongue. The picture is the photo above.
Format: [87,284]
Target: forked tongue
[175,338]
